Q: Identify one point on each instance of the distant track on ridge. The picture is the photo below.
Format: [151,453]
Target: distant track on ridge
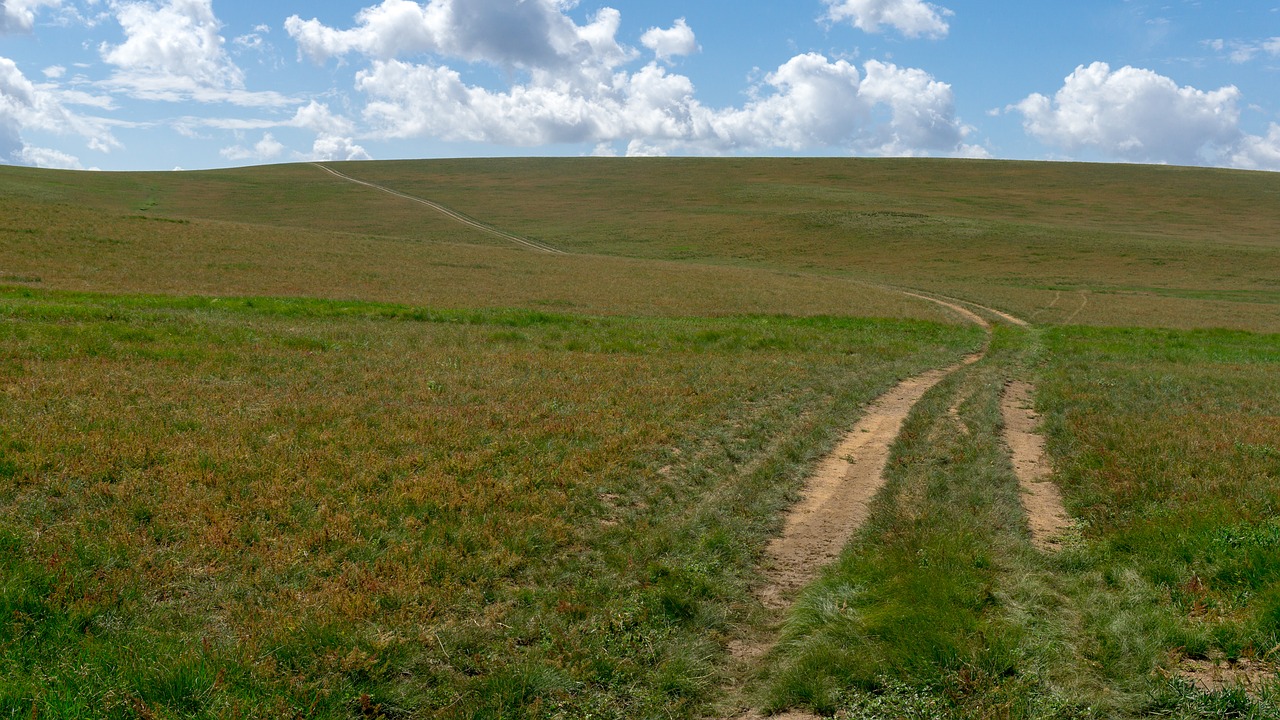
[448,212]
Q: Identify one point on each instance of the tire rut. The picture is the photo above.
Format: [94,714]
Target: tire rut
[450,213]
[1041,498]
[836,500]
[838,495]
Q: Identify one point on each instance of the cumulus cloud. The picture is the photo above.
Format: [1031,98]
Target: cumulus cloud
[268,148]
[1258,152]
[26,107]
[19,16]
[173,52]
[334,132]
[676,41]
[913,18]
[1137,115]
[808,102]
[333,135]
[525,34]
[573,87]
[333,147]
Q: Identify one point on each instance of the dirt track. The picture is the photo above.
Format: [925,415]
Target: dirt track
[838,495]
[1041,499]
[448,212]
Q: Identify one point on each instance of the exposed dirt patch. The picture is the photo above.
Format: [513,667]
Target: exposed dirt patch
[838,495]
[1218,675]
[1043,502]
[960,310]
[836,502]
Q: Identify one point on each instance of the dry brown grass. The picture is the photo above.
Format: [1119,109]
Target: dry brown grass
[233,507]
[80,248]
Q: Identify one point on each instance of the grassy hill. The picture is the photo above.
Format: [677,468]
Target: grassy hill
[1088,244]
[274,443]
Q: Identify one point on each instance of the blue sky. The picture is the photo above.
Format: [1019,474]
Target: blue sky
[162,84]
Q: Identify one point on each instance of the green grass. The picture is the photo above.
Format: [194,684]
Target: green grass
[1167,445]
[250,507]
[259,459]
[1053,242]
[1164,443]
[1147,245]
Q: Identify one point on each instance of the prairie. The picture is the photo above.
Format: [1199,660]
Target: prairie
[276,444]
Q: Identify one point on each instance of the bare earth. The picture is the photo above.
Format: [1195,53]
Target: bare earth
[1045,513]
[837,500]
[838,495]
[1215,676]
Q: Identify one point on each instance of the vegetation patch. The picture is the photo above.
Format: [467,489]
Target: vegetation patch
[254,506]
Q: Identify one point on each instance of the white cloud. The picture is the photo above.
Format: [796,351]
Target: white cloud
[318,117]
[809,102]
[333,147]
[913,18]
[1243,51]
[1137,115]
[1259,152]
[572,87]
[334,139]
[172,52]
[333,135]
[27,107]
[268,148]
[47,158]
[55,72]
[676,41]
[527,34]
[19,16]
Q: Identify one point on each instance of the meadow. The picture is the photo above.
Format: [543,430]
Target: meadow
[277,445]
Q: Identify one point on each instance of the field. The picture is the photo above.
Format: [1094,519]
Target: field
[273,444]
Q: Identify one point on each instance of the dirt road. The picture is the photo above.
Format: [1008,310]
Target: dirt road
[1040,498]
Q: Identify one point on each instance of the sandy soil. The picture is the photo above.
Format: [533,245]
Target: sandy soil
[838,495]
[837,498]
[1045,513]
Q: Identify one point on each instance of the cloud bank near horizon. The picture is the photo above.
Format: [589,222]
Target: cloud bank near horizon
[425,71]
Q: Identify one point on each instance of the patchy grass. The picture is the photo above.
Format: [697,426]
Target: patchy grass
[373,463]
[1166,452]
[260,507]
[1155,246]
[1163,443]
[73,245]
[1051,242]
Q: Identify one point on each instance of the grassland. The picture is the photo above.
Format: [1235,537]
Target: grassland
[276,445]
[260,507]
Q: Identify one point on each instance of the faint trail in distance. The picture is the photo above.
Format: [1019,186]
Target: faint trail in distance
[450,213]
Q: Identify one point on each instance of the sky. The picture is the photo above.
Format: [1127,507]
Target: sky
[193,84]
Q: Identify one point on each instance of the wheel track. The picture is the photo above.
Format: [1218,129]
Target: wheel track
[837,497]
[449,212]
